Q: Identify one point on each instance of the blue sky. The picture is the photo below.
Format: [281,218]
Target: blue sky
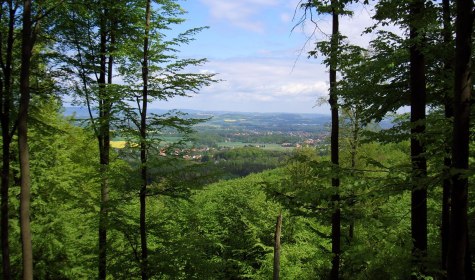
[263,65]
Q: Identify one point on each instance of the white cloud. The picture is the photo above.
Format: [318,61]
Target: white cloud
[350,26]
[318,88]
[263,84]
[271,83]
[285,17]
[206,71]
[243,13]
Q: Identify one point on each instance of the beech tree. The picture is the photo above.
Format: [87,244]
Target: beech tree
[397,69]
[90,36]
[27,44]
[395,74]
[336,220]
[331,51]
[143,144]
[153,71]
[459,265]
[17,69]
[417,81]
[8,97]
[448,113]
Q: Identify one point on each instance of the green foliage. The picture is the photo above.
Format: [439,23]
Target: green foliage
[241,162]
[64,195]
[224,230]
[240,233]
[202,222]
[374,198]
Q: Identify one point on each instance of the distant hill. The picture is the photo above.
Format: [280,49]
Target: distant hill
[245,120]
[241,120]
[82,111]
[78,112]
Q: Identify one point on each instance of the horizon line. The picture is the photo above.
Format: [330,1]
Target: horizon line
[222,111]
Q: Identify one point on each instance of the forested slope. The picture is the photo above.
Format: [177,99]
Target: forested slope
[224,230]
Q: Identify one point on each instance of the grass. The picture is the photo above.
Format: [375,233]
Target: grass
[118,144]
[273,147]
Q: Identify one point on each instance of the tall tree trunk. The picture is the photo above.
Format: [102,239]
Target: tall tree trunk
[354,144]
[143,145]
[418,158]
[336,220]
[458,236]
[5,186]
[278,229]
[448,108]
[26,50]
[6,100]
[104,145]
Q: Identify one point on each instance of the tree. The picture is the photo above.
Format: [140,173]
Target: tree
[17,69]
[103,131]
[352,127]
[448,113]
[278,229]
[143,143]
[418,118]
[161,76]
[336,219]
[26,53]
[410,88]
[8,21]
[90,36]
[65,190]
[458,236]
[331,50]
[392,63]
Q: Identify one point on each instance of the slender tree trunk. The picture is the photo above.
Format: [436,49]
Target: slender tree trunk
[26,51]
[458,236]
[6,96]
[278,229]
[448,107]
[446,190]
[418,158]
[354,151]
[5,186]
[336,219]
[143,145]
[468,259]
[104,143]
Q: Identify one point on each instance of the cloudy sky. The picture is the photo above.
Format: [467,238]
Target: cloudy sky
[262,62]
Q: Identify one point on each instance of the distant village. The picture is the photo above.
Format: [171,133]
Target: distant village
[197,153]
[222,134]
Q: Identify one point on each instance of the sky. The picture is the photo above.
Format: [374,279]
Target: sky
[262,63]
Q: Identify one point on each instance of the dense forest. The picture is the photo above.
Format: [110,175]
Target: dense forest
[371,203]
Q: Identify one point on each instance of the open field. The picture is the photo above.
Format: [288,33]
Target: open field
[273,147]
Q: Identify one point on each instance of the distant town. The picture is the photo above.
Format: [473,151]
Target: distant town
[228,130]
